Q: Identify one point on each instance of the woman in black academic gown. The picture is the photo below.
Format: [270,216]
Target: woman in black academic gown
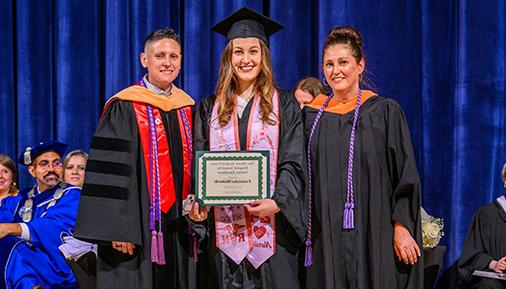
[248,103]
[364,218]
[485,245]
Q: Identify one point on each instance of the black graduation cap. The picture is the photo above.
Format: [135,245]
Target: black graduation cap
[31,153]
[246,23]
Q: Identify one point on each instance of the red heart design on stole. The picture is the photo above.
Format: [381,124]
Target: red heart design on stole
[259,231]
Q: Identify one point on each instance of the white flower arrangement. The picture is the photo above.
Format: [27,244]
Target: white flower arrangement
[432,230]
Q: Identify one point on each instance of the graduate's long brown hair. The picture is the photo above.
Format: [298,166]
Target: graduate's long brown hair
[228,84]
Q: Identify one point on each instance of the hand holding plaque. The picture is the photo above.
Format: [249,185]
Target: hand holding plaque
[262,208]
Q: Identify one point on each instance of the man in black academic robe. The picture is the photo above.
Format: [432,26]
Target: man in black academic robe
[115,205]
[485,247]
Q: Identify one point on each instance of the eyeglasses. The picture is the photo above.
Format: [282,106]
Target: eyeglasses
[45,164]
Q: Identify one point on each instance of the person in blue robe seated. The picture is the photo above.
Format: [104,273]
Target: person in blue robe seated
[34,223]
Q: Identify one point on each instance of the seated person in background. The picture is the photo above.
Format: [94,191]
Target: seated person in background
[74,166]
[485,245]
[307,89]
[8,174]
[33,224]
[80,255]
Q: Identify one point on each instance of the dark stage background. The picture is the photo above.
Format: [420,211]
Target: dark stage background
[443,61]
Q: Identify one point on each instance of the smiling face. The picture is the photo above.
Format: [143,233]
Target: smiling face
[162,59]
[246,60]
[6,179]
[341,70]
[74,171]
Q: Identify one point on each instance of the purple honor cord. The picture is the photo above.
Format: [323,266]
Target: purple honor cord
[157,242]
[348,218]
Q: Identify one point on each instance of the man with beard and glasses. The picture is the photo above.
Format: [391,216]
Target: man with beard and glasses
[34,223]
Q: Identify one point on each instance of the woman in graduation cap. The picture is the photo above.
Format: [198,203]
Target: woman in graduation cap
[249,112]
[364,227]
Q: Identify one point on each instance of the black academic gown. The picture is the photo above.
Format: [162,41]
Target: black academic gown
[485,241]
[115,206]
[386,188]
[216,270]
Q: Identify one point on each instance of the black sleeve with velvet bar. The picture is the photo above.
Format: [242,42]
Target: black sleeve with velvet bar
[110,207]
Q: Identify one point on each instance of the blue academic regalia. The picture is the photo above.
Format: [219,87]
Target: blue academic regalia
[38,261]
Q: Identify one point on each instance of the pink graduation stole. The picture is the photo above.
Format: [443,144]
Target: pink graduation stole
[238,234]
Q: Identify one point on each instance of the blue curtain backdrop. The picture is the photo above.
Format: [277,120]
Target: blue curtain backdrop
[443,61]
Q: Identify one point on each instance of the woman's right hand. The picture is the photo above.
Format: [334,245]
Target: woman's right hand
[198,213]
